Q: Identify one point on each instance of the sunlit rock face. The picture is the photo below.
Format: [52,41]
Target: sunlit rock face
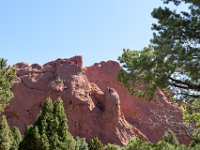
[96,105]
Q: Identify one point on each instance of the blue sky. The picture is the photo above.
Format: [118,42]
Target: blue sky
[38,31]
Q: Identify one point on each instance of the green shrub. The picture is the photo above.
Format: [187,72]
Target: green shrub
[81,144]
[137,144]
[112,147]
[95,144]
[170,138]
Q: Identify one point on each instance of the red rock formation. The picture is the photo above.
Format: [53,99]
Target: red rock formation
[95,103]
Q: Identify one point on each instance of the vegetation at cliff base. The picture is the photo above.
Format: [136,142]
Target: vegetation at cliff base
[9,138]
[50,131]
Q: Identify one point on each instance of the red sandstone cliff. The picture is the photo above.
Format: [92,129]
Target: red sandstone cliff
[96,104]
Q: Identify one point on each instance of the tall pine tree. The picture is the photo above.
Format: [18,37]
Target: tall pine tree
[50,131]
[7,76]
[95,144]
[16,138]
[9,138]
[5,140]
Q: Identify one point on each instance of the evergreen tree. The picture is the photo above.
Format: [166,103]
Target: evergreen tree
[192,112]
[5,140]
[95,144]
[81,144]
[60,133]
[9,138]
[170,137]
[137,144]
[196,138]
[192,115]
[163,145]
[173,59]
[50,131]
[7,76]
[194,147]
[16,138]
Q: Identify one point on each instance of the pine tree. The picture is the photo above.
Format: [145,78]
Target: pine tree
[9,138]
[50,131]
[170,138]
[5,140]
[196,138]
[163,145]
[16,138]
[7,76]
[95,144]
[172,61]
[137,144]
[60,134]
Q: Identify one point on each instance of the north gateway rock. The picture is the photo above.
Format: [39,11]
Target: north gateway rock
[95,103]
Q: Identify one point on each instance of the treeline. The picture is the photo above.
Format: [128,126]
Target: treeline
[50,132]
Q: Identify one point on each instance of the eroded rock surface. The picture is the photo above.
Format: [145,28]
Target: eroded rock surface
[95,103]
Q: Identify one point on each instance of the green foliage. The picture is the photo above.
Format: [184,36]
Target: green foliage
[195,147]
[176,44]
[5,140]
[192,112]
[7,76]
[170,138]
[163,145]
[172,61]
[196,138]
[9,139]
[16,138]
[112,147]
[192,115]
[137,74]
[81,144]
[95,144]
[137,144]
[166,144]
[50,131]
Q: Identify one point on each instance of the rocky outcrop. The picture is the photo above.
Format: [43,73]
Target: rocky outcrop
[95,103]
